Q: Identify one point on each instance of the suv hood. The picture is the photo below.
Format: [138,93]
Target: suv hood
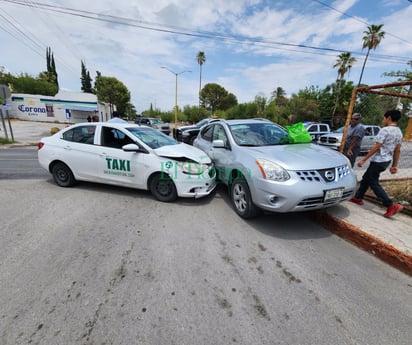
[183,151]
[299,156]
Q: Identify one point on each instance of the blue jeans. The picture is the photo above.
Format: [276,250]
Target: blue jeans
[371,179]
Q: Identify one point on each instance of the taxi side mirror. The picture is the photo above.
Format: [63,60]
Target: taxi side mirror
[133,148]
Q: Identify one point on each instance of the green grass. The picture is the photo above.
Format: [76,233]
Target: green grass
[400,190]
[4,141]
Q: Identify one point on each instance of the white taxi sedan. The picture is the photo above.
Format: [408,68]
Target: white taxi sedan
[127,155]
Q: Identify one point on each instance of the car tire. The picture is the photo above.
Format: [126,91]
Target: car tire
[163,188]
[62,175]
[241,199]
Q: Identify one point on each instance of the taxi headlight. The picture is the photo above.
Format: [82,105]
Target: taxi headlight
[272,171]
[193,168]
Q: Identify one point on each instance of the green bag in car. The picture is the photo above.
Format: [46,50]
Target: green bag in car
[298,133]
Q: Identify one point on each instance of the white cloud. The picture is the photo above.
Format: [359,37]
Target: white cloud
[134,54]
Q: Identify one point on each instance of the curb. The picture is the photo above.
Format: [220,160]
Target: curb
[373,245]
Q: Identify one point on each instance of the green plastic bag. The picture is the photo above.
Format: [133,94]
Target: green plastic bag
[298,133]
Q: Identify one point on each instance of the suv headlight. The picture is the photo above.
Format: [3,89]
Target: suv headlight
[272,171]
[193,168]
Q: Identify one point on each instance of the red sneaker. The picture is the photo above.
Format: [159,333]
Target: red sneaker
[394,208]
[356,201]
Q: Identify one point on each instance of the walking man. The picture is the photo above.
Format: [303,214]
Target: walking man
[356,132]
[386,150]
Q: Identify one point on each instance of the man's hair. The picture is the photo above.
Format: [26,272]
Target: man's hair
[394,114]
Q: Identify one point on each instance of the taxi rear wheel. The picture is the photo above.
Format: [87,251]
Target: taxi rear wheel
[62,175]
[163,188]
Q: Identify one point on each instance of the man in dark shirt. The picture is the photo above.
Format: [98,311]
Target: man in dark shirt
[356,132]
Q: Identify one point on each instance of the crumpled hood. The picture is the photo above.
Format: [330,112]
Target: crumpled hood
[183,151]
[299,156]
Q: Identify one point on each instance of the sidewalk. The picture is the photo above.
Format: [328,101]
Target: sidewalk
[389,239]
[28,132]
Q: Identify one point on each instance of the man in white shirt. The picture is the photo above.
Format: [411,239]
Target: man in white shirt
[386,150]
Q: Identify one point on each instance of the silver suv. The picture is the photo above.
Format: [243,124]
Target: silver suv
[263,171]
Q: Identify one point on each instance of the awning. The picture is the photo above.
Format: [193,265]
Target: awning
[78,107]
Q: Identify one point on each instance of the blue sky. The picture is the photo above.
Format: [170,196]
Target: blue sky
[251,46]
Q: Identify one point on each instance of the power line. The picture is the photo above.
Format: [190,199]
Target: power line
[201,34]
[32,42]
[359,20]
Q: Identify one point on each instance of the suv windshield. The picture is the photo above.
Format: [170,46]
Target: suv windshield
[259,134]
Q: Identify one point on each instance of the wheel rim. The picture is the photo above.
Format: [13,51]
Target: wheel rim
[62,175]
[239,197]
[164,188]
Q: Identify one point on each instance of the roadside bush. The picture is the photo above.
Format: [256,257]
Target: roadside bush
[54,130]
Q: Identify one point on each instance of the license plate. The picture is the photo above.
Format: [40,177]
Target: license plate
[333,194]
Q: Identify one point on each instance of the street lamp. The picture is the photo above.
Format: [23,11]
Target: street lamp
[176,75]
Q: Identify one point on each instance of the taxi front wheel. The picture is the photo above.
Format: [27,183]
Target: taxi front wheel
[62,175]
[163,188]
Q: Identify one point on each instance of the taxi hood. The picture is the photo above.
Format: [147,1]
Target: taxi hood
[183,152]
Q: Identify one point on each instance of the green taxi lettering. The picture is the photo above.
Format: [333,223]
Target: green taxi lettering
[118,164]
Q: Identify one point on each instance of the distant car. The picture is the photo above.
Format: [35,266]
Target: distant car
[155,123]
[127,155]
[334,139]
[317,129]
[263,171]
[187,134]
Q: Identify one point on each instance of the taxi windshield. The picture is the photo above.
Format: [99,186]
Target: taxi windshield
[151,137]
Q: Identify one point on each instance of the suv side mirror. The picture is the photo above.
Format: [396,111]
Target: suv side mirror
[218,143]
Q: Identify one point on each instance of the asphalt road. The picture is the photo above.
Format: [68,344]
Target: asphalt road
[20,162]
[97,264]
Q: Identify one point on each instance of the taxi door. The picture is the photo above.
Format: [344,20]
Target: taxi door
[119,167]
[79,151]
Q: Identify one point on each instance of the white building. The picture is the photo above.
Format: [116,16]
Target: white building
[71,107]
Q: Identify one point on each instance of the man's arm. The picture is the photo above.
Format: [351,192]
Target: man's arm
[371,152]
[352,144]
[395,160]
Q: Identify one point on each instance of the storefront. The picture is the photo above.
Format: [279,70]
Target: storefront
[70,107]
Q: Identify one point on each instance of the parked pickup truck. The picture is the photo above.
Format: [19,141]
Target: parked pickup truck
[316,129]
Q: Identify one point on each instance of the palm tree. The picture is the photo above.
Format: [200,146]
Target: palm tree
[343,63]
[201,59]
[372,38]
[278,95]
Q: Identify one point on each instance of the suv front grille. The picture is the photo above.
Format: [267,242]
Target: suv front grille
[324,175]
[318,201]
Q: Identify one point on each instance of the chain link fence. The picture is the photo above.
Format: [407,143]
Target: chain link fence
[372,102]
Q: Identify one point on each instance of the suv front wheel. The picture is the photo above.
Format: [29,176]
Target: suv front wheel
[242,200]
